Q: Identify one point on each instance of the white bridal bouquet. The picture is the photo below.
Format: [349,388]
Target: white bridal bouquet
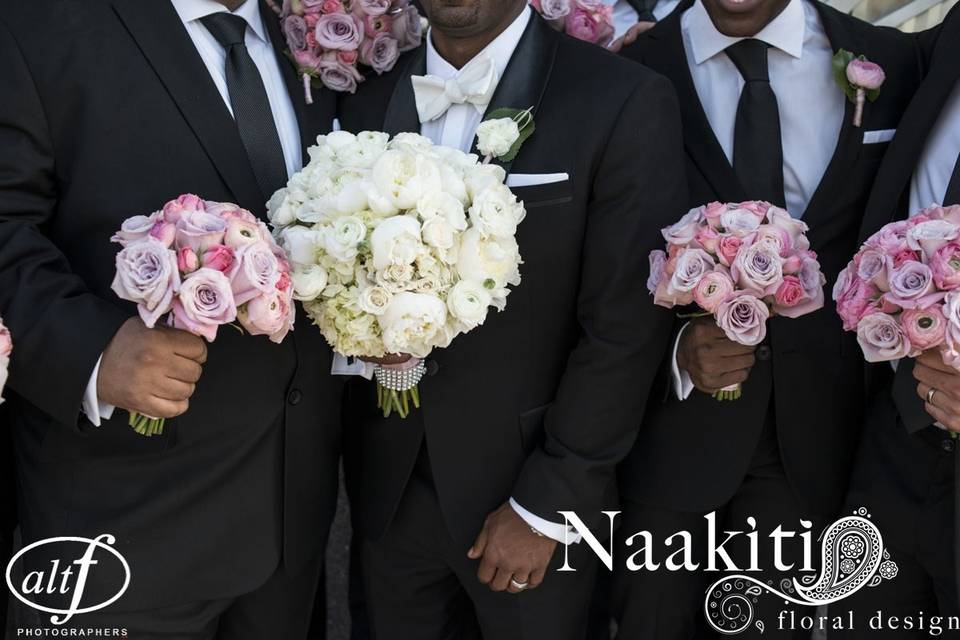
[398,246]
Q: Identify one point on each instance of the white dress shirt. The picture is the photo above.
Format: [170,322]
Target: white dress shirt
[932,177]
[625,16]
[214,57]
[810,103]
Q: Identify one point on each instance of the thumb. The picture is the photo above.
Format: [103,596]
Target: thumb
[479,546]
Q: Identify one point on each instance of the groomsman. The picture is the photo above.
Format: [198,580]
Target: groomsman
[905,470]
[111,108]
[638,15]
[764,119]
[528,414]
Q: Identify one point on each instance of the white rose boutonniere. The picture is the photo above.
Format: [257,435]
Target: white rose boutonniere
[504,131]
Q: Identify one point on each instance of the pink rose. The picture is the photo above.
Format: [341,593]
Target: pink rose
[348,57]
[147,274]
[185,203]
[743,319]
[794,229]
[792,264]
[855,300]
[266,315]
[930,236]
[727,249]
[892,238]
[713,289]
[165,232]
[758,268]
[865,74]
[331,6]
[685,230]
[708,238]
[187,260]
[228,211]
[758,208]
[911,286]
[255,271]
[136,228]
[6,341]
[788,294]
[658,259]
[199,230]
[590,25]
[882,339]
[925,328]
[284,282]
[205,302]
[713,211]
[219,257]
[339,31]
[691,266]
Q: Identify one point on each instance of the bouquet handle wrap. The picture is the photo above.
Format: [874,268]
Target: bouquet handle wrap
[397,386]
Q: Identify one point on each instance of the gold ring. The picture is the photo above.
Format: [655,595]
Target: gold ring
[930,395]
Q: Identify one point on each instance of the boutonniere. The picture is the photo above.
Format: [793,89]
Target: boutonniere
[503,132]
[331,41]
[859,78]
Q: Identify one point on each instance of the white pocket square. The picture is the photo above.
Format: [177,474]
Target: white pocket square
[881,135]
[535,179]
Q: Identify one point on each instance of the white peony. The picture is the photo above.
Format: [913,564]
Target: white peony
[308,282]
[342,239]
[412,323]
[484,176]
[396,240]
[496,137]
[468,302]
[492,259]
[301,244]
[404,177]
[496,212]
[282,209]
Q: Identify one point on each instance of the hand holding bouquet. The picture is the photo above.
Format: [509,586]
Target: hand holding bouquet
[398,246]
[6,348]
[740,263]
[587,20]
[197,265]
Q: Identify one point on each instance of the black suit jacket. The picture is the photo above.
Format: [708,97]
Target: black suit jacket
[108,111]
[540,403]
[808,376]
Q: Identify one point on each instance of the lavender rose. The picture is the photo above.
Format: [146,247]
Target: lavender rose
[658,259]
[882,338]
[255,271]
[685,230]
[136,228]
[371,7]
[743,319]
[691,266]
[295,31]
[555,9]
[407,29]
[147,275]
[205,302]
[380,52]
[912,286]
[758,268]
[339,76]
[199,230]
[930,236]
[339,31]
[874,267]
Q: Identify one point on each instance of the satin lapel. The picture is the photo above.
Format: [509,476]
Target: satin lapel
[667,56]
[310,118]
[525,78]
[401,115]
[161,36]
[851,138]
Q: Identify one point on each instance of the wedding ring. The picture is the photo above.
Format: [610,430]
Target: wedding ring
[930,396]
[519,586]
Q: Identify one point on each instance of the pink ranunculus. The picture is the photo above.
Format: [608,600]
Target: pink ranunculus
[928,237]
[380,52]
[865,75]
[187,260]
[185,203]
[589,25]
[925,328]
[407,29]
[892,238]
[743,319]
[684,230]
[691,266]
[241,232]
[727,249]
[874,267]
[136,228]
[708,238]
[713,289]
[882,339]
[338,76]
[945,265]
[265,315]
[284,282]
[759,269]
[199,230]
[255,271]
[951,311]
[912,286]
[220,257]
[204,303]
[339,31]
[147,275]
[856,302]
[658,259]
[165,232]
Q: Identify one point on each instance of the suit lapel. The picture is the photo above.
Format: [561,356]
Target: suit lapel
[158,32]
[401,115]
[666,55]
[525,78]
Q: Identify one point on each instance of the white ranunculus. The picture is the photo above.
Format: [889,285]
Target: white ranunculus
[374,300]
[374,140]
[396,240]
[308,282]
[412,323]
[301,244]
[483,176]
[338,140]
[492,259]
[281,210]
[496,137]
[443,205]
[496,212]
[438,233]
[468,302]
[411,142]
[342,239]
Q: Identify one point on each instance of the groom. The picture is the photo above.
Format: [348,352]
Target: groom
[528,414]
[110,108]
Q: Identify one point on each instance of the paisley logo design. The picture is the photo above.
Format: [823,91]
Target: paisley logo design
[852,557]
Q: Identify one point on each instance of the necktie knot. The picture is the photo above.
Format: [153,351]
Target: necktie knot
[228,29]
[750,58]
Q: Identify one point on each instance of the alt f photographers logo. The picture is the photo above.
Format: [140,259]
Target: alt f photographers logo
[53,575]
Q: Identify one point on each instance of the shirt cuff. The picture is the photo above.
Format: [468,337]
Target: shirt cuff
[561,533]
[682,384]
[95,410]
[343,366]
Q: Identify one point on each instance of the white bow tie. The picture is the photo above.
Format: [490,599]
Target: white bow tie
[473,84]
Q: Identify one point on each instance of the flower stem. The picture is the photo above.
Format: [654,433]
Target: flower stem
[858,113]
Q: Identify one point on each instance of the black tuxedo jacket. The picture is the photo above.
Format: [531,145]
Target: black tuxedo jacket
[540,403]
[108,111]
[808,376]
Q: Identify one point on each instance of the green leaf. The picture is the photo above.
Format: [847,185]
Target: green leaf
[840,62]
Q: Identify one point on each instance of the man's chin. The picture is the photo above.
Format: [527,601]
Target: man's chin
[454,16]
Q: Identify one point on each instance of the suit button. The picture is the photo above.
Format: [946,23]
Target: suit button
[295,396]
[949,444]
[433,367]
[763,352]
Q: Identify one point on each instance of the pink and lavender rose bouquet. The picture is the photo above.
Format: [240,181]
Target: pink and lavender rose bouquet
[901,292]
[330,40]
[740,263]
[6,348]
[196,265]
[588,20]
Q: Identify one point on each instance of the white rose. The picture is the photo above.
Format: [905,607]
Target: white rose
[342,240]
[374,300]
[404,177]
[308,282]
[496,137]
[468,302]
[301,244]
[413,323]
[484,176]
[443,205]
[438,233]
[488,259]
[396,277]
[396,240]
[496,212]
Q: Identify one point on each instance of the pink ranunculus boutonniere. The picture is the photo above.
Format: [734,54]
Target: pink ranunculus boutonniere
[860,80]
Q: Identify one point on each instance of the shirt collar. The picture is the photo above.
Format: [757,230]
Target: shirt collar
[500,50]
[786,32]
[193,10]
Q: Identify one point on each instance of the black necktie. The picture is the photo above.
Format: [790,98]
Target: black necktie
[953,189]
[757,147]
[251,106]
[644,9]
